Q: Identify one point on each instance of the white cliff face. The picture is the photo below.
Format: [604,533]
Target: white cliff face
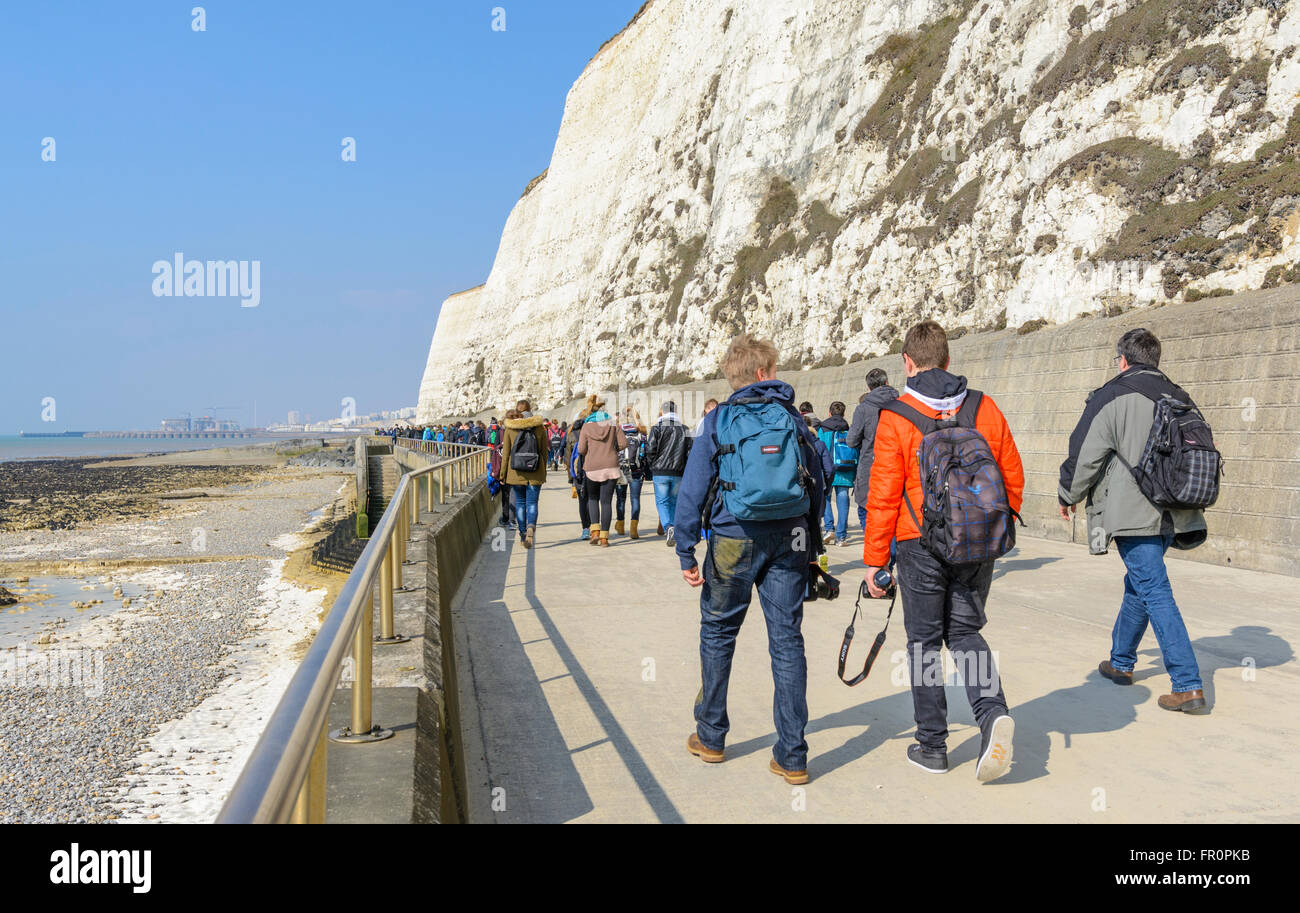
[826,172]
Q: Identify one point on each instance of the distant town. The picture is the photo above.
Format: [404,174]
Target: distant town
[302,421]
[210,426]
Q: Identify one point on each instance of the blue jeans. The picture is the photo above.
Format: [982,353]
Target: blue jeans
[1149,597]
[862,518]
[624,493]
[525,506]
[731,569]
[841,500]
[666,497]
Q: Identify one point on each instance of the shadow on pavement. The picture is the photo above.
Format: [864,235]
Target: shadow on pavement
[1247,647]
[554,757]
[519,707]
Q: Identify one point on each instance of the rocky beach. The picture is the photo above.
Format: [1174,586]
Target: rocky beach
[140,699]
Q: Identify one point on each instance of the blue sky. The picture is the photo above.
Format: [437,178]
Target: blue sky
[225,145]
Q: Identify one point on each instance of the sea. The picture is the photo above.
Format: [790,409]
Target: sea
[13,447]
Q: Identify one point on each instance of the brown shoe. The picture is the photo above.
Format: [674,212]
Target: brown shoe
[633,534]
[793,777]
[618,527]
[661,529]
[595,535]
[708,755]
[528,537]
[1183,700]
[604,538]
[1116,676]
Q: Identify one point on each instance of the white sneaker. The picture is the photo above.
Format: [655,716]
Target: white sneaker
[995,748]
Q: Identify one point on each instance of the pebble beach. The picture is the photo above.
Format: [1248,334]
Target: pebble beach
[146,709]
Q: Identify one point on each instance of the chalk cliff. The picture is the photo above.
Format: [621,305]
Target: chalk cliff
[825,172]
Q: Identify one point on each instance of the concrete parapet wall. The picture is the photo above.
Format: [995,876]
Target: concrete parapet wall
[451,543]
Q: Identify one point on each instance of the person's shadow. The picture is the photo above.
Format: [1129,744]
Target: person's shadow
[1095,705]
[1247,647]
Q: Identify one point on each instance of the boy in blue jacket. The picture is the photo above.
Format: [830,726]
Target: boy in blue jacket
[773,554]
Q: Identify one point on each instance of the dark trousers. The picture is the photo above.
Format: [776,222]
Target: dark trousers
[584,513]
[943,605]
[600,502]
[507,502]
[733,568]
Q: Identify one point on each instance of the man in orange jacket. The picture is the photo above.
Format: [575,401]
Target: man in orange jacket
[943,604]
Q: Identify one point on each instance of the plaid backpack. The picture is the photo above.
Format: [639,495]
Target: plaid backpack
[1180,466]
[965,515]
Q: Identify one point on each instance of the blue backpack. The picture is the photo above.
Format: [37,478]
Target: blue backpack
[760,461]
[843,456]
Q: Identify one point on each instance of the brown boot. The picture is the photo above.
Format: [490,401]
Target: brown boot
[1116,676]
[618,527]
[1183,700]
[595,535]
[708,755]
[793,777]
[528,537]
[661,529]
[633,533]
[604,538]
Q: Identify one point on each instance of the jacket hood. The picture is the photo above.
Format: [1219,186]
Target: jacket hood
[601,429]
[936,388]
[835,423]
[777,389]
[881,395]
[671,418]
[532,421]
[599,416]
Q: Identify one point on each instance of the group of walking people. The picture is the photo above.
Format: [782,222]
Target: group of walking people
[607,460]
[938,483]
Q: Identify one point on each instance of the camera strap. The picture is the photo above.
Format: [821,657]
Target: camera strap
[848,637]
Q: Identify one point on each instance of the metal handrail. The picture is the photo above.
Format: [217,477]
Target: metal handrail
[283,779]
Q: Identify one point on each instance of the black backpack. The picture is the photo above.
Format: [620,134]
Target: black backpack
[524,455]
[965,515]
[1180,467]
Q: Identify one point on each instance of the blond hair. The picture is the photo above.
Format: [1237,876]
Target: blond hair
[745,357]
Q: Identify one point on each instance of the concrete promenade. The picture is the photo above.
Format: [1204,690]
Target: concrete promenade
[579,667]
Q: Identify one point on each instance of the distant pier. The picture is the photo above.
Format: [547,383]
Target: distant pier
[155,435]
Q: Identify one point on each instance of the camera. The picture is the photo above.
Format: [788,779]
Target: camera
[821,585]
[885,581]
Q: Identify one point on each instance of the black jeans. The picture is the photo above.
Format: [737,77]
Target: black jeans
[600,502]
[506,502]
[943,605]
[584,515]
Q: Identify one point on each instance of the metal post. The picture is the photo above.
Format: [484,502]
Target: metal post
[399,540]
[391,571]
[428,491]
[363,728]
[310,807]
[386,591]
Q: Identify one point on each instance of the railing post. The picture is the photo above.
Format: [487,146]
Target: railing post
[363,728]
[399,540]
[442,484]
[428,491]
[310,807]
[393,566]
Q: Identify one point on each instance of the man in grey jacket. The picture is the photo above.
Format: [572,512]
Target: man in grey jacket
[862,435]
[1113,431]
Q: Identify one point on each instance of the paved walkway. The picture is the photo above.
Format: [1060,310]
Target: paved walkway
[579,667]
